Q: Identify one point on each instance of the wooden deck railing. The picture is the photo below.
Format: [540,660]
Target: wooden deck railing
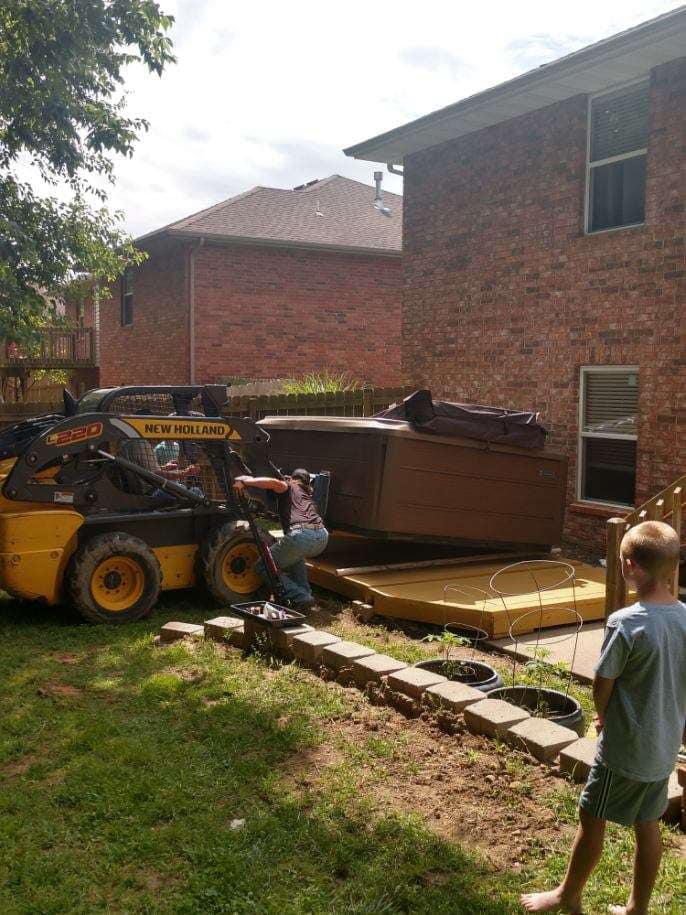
[667,505]
[56,349]
[364,401]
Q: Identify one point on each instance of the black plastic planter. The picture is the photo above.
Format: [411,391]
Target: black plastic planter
[474,673]
[545,703]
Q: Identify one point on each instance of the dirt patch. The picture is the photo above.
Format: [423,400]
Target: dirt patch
[64,657]
[461,785]
[54,690]
[19,766]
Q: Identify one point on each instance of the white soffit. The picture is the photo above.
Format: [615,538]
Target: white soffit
[620,59]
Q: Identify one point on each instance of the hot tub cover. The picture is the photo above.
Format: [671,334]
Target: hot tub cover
[488,424]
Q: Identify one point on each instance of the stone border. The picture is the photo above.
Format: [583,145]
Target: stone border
[413,690]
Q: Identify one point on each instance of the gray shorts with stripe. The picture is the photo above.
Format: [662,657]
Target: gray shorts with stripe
[613,797]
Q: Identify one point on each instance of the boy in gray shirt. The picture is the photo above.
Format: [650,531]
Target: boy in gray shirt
[640,697]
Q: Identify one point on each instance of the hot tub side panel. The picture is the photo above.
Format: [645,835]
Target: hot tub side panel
[356,466]
[449,490]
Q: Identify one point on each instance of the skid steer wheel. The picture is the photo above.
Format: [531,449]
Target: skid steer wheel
[226,561]
[114,578]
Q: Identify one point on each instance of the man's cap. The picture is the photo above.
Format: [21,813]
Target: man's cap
[301,474]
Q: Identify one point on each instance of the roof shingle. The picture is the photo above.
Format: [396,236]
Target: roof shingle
[331,213]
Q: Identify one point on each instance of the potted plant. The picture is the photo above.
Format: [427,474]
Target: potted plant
[544,701]
[463,670]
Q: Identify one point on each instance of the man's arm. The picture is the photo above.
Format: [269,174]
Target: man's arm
[260,483]
[602,691]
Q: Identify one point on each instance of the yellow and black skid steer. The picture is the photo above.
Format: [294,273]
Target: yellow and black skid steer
[130,493]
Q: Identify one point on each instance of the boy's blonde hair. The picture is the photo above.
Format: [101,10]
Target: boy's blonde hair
[653,546]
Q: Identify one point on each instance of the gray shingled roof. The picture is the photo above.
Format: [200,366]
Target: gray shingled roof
[334,212]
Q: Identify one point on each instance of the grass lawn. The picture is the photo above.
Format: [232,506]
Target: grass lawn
[194,780]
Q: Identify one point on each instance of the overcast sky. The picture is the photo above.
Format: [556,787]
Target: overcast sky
[267,92]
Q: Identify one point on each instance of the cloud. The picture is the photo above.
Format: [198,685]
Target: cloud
[435,58]
[195,134]
[269,93]
[529,52]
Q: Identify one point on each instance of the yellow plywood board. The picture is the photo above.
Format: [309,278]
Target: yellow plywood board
[419,594]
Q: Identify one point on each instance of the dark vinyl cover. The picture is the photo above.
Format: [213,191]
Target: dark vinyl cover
[487,424]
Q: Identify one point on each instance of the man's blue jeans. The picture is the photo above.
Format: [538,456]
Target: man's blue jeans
[289,554]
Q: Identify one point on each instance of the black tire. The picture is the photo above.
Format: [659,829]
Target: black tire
[114,578]
[228,585]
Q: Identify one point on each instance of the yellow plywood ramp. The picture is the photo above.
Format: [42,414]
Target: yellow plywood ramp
[418,591]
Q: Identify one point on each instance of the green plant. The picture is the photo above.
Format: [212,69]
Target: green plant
[325,382]
[448,641]
[63,110]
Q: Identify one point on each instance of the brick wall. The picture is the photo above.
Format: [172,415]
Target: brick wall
[259,313]
[505,297]
[274,312]
[155,348]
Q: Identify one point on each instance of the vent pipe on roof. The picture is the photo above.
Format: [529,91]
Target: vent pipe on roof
[378,199]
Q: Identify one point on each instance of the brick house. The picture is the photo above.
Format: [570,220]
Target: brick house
[271,283]
[545,259]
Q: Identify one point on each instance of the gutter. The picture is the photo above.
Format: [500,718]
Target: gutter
[216,239]
[191,307]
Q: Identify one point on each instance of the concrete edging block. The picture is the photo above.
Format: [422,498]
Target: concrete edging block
[543,739]
[452,695]
[174,632]
[374,667]
[282,639]
[413,681]
[219,628]
[308,646]
[342,654]
[577,759]
[493,717]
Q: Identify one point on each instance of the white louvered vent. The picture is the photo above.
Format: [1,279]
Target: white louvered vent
[611,402]
[619,123]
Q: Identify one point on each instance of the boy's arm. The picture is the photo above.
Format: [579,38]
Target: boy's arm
[602,691]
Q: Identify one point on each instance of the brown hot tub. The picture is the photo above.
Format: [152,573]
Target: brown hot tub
[388,480]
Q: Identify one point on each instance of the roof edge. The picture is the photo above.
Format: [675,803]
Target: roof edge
[629,39]
[247,240]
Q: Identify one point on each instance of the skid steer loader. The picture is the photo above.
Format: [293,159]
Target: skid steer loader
[127,494]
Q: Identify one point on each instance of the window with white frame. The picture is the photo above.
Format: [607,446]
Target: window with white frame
[617,154]
[608,409]
[127,297]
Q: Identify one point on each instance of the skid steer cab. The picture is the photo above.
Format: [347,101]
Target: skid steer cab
[127,494]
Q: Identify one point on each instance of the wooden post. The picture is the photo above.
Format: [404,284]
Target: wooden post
[252,408]
[676,524]
[615,589]
[656,510]
[367,400]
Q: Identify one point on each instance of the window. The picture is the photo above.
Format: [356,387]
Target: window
[617,148]
[127,297]
[607,434]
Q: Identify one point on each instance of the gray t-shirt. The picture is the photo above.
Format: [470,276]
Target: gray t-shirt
[645,651]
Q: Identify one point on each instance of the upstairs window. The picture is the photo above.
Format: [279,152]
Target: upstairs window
[617,155]
[127,297]
[607,437]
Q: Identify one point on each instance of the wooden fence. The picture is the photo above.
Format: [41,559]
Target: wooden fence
[668,506]
[11,413]
[365,401]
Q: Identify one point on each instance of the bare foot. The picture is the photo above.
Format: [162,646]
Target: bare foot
[552,901]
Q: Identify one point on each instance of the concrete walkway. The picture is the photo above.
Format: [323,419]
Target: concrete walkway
[559,643]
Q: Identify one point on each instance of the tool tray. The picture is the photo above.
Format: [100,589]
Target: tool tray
[253,610]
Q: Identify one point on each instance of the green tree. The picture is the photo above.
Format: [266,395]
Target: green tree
[62,111]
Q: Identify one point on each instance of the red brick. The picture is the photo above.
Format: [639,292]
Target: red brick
[506,297]
[260,313]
